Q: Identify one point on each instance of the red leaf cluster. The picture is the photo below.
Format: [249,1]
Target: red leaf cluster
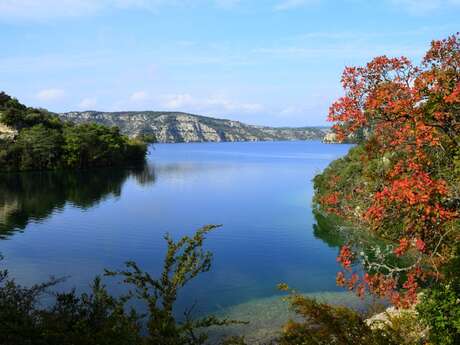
[410,115]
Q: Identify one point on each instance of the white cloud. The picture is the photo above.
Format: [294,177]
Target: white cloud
[351,50]
[178,101]
[139,96]
[227,4]
[50,94]
[52,9]
[40,10]
[43,9]
[292,4]
[421,7]
[87,103]
[417,7]
[215,103]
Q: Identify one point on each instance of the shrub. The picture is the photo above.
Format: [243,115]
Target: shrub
[324,324]
[98,318]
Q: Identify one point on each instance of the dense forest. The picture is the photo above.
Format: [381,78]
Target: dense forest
[34,139]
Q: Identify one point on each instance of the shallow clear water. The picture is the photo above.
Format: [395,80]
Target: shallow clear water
[77,224]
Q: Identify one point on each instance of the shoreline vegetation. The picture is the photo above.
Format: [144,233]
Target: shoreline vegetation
[399,184]
[34,139]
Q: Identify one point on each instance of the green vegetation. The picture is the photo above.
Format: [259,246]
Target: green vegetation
[324,324]
[39,140]
[97,318]
[401,184]
[440,306]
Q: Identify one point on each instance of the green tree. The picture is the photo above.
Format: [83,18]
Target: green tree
[39,148]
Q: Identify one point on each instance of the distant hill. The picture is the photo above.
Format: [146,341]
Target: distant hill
[173,127]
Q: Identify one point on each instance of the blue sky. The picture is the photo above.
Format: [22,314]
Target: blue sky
[272,62]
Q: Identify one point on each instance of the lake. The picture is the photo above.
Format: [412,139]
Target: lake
[78,223]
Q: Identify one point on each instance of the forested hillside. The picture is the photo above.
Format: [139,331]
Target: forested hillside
[34,139]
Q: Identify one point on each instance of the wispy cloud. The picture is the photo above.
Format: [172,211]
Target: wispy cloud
[292,4]
[422,7]
[45,9]
[415,7]
[214,103]
[227,4]
[343,51]
[48,95]
[369,35]
[87,103]
[51,9]
[350,44]
[52,62]
[139,96]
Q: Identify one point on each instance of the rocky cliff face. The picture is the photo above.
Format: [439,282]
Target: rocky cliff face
[330,138]
[7,133]
[171,127]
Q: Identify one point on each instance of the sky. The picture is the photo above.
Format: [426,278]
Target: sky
[266,62]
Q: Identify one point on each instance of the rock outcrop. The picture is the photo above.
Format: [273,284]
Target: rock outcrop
[330,138]
[171,127]
[7,133]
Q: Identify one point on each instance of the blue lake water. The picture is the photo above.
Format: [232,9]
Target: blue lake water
[77,224]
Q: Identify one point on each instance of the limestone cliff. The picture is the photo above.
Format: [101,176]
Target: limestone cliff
[170,127]
[7,133]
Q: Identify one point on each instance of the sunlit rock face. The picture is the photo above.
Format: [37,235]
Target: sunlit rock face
[171,127]
[330,138]
[7,133]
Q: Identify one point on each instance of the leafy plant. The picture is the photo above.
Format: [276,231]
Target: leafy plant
[401,181]
[184,261]
[324,324]
[98,318]
[439,308]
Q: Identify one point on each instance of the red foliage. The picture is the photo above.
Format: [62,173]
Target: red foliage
[345,257]
[403,247]
[411,111]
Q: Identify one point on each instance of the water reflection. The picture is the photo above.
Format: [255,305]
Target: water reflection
[79,224]
[35,196]
[327,228]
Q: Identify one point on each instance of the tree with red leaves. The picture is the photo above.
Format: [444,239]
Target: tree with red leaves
[406,119]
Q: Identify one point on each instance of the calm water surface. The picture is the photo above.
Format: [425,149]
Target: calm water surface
[77,224]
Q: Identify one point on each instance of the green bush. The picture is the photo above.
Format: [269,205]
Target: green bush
[440,310]
[324,324]
[98,318]
[439,307]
